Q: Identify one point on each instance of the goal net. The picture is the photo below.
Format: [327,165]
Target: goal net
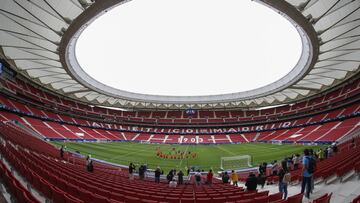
[278,142]
[236,162]
[144,142]
[100,140]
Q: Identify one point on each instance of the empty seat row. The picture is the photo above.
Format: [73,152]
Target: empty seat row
[16,188]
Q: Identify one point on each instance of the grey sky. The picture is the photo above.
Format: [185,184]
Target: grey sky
[189,47]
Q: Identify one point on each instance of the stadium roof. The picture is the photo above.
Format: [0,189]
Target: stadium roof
[38,38]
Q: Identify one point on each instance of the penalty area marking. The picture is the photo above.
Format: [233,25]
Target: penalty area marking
[268,147]
[225,150]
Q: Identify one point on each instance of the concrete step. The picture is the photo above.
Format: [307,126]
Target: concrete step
[348,176]
[331,179]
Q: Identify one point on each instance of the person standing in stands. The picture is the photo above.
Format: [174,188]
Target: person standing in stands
[157,175]
[289,163]
[322,154]
[251,182]
[234,178]
[284,178]
[296,161]
[352,145]
[89,164]
[262,174]
[198,177]
[180,177]
[335,148]
[262,169]
[225,177]
[209,177]
[62,151]
[284,164]
[131,171]
[170,176]
[142,170]
[313,160]
[306,173]
[275,167]
[325,153]
[319,154]
[330,152]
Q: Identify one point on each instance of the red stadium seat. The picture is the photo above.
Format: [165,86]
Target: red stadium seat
[251,195]
[245,201]
[99,199]
[117,196]
[323,199]
[233,197]
[71,199]
[44,188]
[261,194]
[295,198]
[58,196]
[281,201]
[263,199]
[72,189]
[187,200]
[218,199]
[203,200]
[148,201]
[356,200]
[275,197]
[172,199]
[115,201]
[130,199]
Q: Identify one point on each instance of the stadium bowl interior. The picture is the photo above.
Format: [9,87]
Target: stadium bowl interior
[47,101]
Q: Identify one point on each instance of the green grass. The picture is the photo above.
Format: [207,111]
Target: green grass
[208,155]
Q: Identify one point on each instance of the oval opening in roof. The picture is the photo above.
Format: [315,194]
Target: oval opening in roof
[189,47]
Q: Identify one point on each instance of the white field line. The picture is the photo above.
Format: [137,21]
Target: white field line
[130,153]
[184,154]
[225,150]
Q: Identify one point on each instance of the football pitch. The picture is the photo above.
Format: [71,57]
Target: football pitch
[207,156]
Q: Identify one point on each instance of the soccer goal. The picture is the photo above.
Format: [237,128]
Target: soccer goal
[236,162]
[101,140]
[144,142]
[277,142]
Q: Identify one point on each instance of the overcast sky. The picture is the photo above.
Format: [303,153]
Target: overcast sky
[189,47]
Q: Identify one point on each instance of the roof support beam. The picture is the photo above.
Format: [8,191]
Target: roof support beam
[326,12]
[28,41]
[304,88]
[37,18]
[337,22]
[77,91]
